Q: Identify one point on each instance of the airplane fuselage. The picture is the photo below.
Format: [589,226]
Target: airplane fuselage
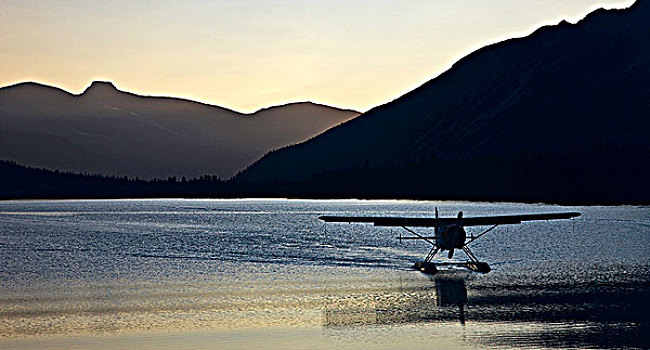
[450,233]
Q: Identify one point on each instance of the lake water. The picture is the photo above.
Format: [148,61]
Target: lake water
[151,274]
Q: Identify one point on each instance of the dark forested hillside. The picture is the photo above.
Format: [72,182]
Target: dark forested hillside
[562,114]
[20,182]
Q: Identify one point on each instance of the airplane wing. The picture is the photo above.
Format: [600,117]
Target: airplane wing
[466,221]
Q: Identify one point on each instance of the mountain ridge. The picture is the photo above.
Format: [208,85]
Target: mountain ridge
[562,89]
[107,83]
[108,131]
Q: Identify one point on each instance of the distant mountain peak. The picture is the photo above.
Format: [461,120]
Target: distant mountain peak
[100,86]
[300,104]
[111,131]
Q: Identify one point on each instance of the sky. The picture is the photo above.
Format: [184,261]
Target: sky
[250,54]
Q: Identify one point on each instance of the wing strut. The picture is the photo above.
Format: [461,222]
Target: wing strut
[419,235]
[434,249]
[481,234]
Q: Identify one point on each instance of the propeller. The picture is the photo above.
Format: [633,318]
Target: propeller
[460,216]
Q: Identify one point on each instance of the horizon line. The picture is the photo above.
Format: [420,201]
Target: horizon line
[498,40]
[180,98]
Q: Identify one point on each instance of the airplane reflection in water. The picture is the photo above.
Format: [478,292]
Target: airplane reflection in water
[450,292]
[445,299]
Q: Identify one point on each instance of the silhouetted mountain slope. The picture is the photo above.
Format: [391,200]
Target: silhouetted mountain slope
[107,131]
[565,93]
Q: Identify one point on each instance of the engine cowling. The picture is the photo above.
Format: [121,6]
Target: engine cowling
[451,237]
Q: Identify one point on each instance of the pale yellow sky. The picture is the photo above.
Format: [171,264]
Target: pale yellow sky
[246,55]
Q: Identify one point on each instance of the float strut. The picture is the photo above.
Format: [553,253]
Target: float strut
[431,254]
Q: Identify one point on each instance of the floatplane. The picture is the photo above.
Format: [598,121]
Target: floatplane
[449,234]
